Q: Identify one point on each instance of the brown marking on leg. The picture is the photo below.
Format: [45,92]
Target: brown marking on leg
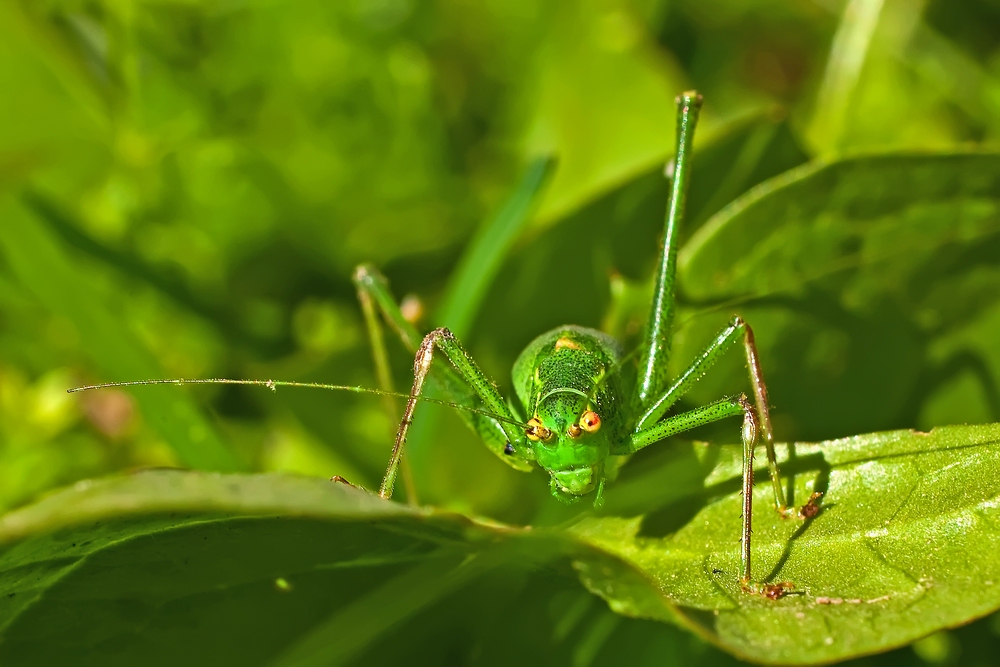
[776,591]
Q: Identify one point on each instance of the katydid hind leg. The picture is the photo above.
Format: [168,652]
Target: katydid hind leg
[655,346]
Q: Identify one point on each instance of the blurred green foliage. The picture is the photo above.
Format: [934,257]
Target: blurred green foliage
[185,188]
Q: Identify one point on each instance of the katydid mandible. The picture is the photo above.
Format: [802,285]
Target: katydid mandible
[584,402]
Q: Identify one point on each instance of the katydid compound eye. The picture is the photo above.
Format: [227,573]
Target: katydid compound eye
[590,421]
[536,431]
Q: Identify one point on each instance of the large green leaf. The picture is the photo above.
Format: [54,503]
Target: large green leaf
[297,571]
[138,570]
[906,544]
[823,218]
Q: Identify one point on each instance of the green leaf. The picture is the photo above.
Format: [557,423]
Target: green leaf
[602,100]
[907,543]
[246,568]
[298,571]
[482,260]
[822,219]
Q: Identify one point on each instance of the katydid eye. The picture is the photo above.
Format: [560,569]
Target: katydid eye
[590,421]
[536,431]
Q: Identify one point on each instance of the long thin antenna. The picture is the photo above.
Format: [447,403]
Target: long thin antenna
[274,384]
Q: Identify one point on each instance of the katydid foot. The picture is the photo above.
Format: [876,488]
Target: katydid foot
[769,591]
[340,480]
[807,511]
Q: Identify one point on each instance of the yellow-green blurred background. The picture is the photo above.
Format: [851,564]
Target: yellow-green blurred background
[186,187]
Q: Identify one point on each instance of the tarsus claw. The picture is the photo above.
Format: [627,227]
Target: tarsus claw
[769,591]
[811,508]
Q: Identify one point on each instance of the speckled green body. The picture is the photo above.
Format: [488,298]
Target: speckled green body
[560,375]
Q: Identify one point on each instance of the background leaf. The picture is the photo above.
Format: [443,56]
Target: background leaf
[900,213]
[860,276]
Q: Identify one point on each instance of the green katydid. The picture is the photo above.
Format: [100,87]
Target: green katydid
[584,401]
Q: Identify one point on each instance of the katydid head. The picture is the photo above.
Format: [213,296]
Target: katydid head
[568,442]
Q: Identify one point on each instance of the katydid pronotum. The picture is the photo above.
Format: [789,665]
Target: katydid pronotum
[584,402]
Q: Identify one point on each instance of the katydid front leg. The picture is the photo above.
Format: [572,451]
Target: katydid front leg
[650,429]
[723,342]
[374,294]
[463,298]
[485,390]
[713,412]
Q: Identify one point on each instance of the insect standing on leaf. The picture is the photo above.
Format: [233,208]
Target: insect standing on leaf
[585,402]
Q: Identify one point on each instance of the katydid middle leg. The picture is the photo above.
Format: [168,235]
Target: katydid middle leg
[723,342]
[722,409]
[652,428]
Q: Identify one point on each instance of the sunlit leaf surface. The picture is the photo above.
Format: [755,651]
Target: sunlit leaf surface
[906,543]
